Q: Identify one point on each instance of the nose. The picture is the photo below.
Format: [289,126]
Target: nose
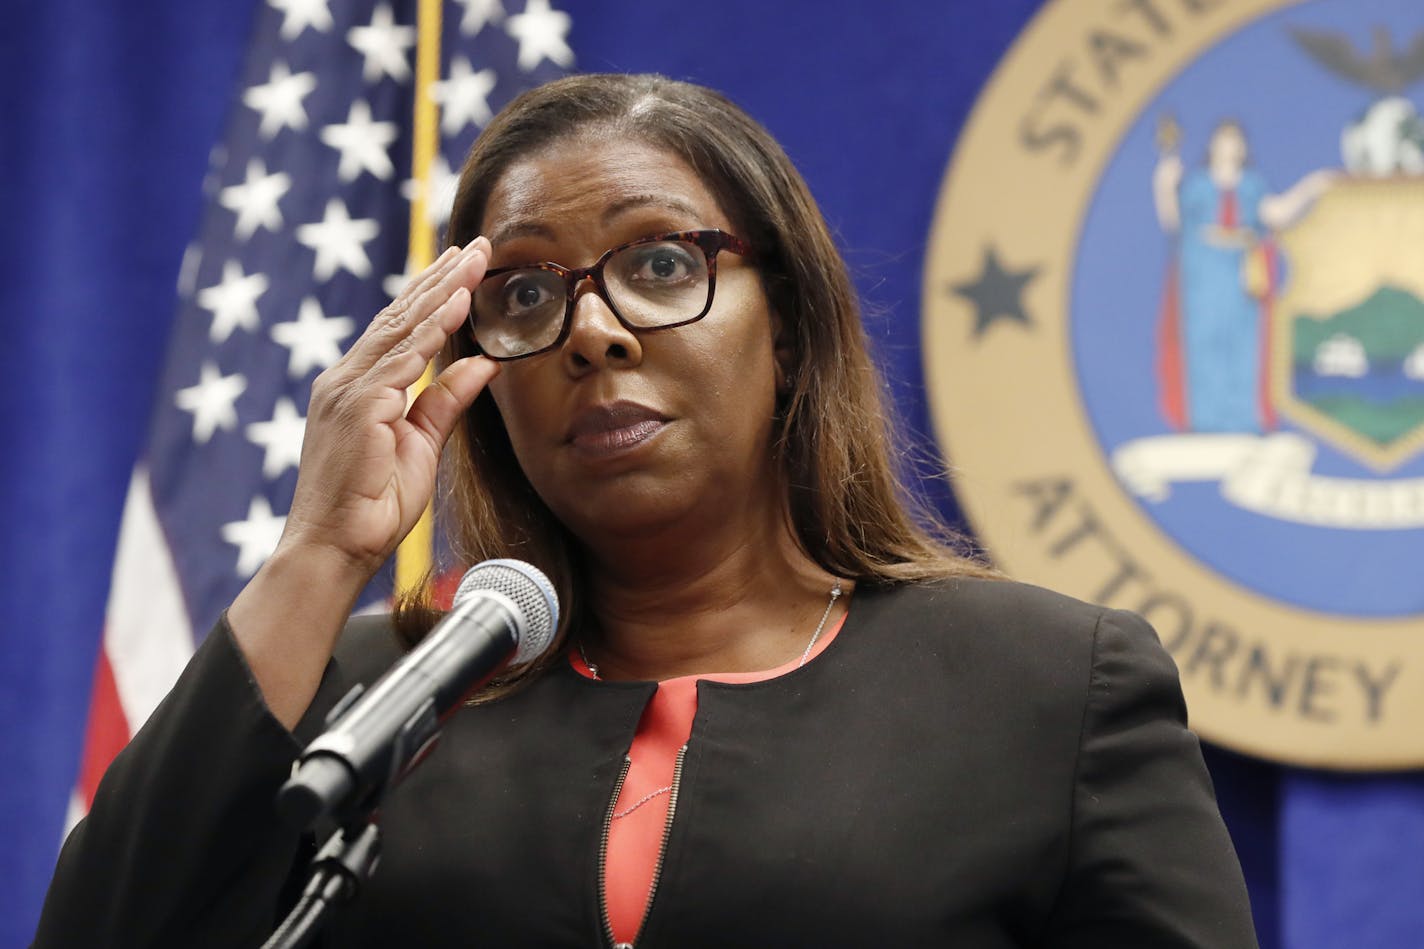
[597,340]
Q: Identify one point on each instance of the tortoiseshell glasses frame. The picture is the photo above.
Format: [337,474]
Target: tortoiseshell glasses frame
[708,241]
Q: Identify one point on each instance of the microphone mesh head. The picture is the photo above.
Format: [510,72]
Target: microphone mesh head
[531,592]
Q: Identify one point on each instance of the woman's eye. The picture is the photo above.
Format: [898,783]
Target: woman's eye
[665,264]
[664,267]
[521,296]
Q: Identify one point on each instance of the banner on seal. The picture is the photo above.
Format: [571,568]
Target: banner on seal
[1269,475]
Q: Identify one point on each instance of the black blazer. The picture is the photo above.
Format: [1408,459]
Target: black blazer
[968,764]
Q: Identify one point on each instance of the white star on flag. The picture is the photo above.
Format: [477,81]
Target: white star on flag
[478,13]
[256,537]
[383,45]
[301,218]
[443,185]
[255,200]
[339,241]
[363,144]
[313,338]
[212,401]
[280,100]
[280,438]
[463,97]
[297,15]
[233,302]
[541,33]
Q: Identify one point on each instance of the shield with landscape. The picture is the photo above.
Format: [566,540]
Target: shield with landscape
[1348,334]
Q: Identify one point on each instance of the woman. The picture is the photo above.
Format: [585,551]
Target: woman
[777,713]
[1223,279]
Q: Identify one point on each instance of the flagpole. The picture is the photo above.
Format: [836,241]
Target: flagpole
[416,552]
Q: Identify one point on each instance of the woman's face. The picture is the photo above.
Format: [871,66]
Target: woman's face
[1227,149]
[621,432]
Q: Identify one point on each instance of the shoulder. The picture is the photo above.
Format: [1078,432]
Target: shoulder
[992,595]
[967,609]
[1016,632]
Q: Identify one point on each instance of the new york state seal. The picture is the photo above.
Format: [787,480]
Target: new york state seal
[1173,330]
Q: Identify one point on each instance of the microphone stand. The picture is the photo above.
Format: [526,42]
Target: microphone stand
[343,863]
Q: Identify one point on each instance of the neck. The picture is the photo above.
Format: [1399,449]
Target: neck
[715,603]
[1226,175]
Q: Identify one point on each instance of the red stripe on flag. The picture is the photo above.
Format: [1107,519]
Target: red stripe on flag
[443,587]
[106,733]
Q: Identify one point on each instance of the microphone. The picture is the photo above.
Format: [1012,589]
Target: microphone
[373,739]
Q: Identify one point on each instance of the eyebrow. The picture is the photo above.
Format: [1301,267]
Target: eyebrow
[508,232]
[639,201]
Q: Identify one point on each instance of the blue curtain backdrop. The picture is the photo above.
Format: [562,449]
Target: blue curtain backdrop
[111,108]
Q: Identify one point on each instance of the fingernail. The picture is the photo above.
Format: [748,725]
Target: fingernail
[483,243]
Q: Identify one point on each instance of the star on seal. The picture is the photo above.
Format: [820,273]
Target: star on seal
[997,293]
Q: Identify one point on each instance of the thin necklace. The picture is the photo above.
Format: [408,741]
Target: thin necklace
[805,654]
[805,657]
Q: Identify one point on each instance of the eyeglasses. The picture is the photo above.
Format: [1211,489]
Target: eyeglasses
[653,283]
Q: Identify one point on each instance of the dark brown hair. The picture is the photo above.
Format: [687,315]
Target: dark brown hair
[847,507]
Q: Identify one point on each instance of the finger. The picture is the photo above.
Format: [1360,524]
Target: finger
[420,282]
[395,323]
[417,282]
[441,266]
[467,272]
[439,305]
[450,317]
[479,247]
[405,362]
[397,311]
[455,262]
[436,410]
[359,356]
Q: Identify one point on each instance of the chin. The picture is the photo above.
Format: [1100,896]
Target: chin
[628,507]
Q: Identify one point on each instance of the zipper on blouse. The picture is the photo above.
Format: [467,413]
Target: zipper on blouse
[603,855]
[662,850]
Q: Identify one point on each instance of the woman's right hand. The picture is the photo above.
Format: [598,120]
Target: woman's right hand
[368,462]
[1166,181]
[367,472]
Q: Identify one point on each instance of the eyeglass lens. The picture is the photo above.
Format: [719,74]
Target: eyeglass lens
[650,285]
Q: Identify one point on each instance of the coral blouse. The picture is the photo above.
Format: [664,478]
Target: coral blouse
[640,815]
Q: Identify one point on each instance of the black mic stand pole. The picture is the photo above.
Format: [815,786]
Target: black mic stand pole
[343,863]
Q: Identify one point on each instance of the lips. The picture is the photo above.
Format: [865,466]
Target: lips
[614,427]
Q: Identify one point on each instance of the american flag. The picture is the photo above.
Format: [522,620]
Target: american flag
[304,237]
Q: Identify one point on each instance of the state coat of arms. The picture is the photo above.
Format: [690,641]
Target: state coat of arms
[1174,341]
[1307,304]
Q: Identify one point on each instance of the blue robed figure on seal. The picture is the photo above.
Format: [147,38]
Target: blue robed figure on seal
[1221,282]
